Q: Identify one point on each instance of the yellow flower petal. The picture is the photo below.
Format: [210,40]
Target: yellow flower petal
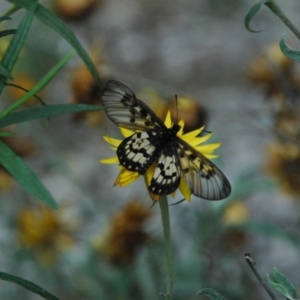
[111,160]
[193,134]
[193,141]
[168,121]
[208,147]
[131,179]
[185,190]
[149,174]
[126,177]
[126,132]
[114,142]
[211,156]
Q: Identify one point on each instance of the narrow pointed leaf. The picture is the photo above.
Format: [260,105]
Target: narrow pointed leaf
[26,178]
[212,294]
[45,112]
[4,72]
[5,133]
[7,32]
[4,18]
[282,284]
[30,286]
[49,18]
[289,52]
[251,13]
[40,85]
[10,12]
[11,54]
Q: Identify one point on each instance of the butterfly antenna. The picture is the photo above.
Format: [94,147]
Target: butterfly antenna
[207,131]
[176,105]
[177,202]
[154,202]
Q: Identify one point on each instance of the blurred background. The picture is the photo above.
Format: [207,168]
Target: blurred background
[106,242]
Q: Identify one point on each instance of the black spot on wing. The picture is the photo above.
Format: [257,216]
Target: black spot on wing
[125,110]
[139,151]
[166,178]
[203,177]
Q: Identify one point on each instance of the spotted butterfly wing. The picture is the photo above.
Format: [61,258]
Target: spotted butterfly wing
[175,158]
[203,177]
[125,110]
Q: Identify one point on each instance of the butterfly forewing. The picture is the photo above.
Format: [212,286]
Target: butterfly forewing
[203,177]
[125,110]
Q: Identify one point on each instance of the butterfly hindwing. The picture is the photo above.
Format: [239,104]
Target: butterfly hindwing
[167,174]
[137,152]
[125,110]
[203,177]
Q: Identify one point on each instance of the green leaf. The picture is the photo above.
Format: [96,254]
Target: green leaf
[4,72]
[289,52]
[45,112]
[10,12]
[281,283]
[5,133]
[49,18]
[4,18]
[7,32]
[251,13]
[26,178]
[212,294]
[30,286]
[41,84]
[11,54]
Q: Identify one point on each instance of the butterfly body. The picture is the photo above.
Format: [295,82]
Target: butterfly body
[155,143]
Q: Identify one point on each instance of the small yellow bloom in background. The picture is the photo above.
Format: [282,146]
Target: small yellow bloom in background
[45,231]
[27,82]
[233,237]
[126,234]
[6,181]
[85,90]
[287,121]
[75,9]
[283,162]
[235,213]
[269,68]
[126,177]
[37,227]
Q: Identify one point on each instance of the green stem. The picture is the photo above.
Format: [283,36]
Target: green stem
[164,210]
[279,13]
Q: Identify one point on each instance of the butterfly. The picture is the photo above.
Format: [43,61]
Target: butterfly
[155,143]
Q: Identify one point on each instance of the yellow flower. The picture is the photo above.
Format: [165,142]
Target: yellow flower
[126,177]
[269,68]
[284,164]
[45,231]
[234,237]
